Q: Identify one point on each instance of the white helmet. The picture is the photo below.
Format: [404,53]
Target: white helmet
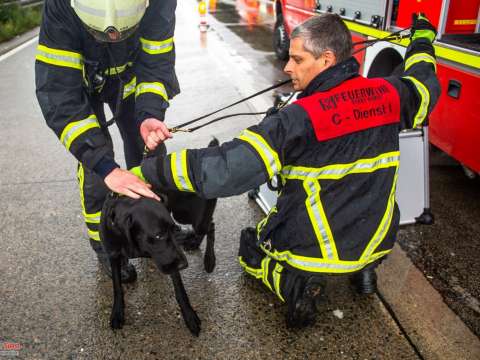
[110,20]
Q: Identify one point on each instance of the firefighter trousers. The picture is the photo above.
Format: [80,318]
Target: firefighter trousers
[280,279]
[275,276]
[92,187]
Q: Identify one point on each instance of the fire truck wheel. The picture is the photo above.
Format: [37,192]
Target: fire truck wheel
[281,42]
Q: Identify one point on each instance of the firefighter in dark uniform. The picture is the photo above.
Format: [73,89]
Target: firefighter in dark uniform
[119,52]
[336,152]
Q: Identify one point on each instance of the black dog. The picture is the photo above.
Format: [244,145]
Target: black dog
[144,228]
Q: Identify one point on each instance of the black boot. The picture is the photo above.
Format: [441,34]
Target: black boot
[365,281]
[128,272]
[302,302]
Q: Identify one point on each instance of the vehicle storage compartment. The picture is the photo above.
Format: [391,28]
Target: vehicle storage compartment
[466,41]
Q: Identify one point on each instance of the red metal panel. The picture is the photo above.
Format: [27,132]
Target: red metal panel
[455,123]
[462,16]
[431,8]
[360,56]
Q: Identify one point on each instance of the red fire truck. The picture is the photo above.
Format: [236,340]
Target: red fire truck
[455,122]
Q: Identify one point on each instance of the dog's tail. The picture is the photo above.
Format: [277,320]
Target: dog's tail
[214,142]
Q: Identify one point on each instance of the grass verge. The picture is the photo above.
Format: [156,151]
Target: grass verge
[15,20]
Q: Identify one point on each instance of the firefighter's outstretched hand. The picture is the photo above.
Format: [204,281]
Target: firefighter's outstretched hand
[422,28]
[154,132]
[125,183]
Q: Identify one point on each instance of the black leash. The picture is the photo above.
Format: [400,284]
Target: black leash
[179,128]
[393,36]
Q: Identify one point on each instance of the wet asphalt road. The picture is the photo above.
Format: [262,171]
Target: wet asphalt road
[55,302]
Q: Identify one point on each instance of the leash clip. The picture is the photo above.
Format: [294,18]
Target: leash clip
[267,244]
[176,129]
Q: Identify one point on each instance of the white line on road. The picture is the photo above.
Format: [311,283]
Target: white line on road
[18,48]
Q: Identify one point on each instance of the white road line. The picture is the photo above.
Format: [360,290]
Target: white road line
[18,48]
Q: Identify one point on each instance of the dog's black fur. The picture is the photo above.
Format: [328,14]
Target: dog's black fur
[144,228]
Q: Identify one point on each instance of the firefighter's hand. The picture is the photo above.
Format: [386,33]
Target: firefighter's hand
[154,132]
[422,28]
[125,183]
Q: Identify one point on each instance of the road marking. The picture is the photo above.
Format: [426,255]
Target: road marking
[18,48]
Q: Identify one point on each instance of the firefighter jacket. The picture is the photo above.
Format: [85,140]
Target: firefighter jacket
[72,68]
[336,151]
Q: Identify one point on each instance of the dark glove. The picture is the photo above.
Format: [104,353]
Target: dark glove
[421,28]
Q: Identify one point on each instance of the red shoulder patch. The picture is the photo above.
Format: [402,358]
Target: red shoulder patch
[357,104]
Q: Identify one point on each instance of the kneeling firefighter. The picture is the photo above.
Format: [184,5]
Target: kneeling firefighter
[119,52]
[336,151]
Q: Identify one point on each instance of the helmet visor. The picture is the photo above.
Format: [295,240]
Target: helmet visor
[111,34]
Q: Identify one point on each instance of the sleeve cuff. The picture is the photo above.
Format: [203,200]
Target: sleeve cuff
[105,166]
[145,115]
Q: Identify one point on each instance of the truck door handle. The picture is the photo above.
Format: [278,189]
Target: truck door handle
[454,88]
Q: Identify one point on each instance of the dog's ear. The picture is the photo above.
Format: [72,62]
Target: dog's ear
[110,230]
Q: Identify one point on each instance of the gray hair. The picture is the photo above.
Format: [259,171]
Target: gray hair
[325,32]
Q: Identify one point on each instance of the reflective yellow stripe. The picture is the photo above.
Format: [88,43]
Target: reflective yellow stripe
[156,47]
[319,220]
[420,57]
[77,128]
[257,273]
[59,57]
[151,87]
[384,226]
[277,273]
[268,155]
[264,221]
[320,265]
[425,95]
[369,31]
[456,56]
[94,235]
[118,70]
[337,171]
[178,163]
[265,263]
[129,88]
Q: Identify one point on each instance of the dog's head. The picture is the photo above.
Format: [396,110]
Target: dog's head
[141,227]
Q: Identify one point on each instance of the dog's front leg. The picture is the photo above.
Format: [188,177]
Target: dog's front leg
[209,260]
[189,315]
[117,317]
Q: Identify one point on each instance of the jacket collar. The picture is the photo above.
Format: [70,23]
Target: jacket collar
[332,77]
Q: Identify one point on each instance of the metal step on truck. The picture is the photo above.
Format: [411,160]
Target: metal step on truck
[455,122]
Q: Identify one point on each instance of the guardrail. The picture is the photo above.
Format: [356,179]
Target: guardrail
[22,3]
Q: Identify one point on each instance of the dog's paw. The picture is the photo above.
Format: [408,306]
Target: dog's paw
[117,321]
[209,263]
[193,323]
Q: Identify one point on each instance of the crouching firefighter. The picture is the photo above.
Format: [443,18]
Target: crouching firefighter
[118,52]
[336,151]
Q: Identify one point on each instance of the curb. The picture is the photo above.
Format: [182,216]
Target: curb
[9,45]
[433,327]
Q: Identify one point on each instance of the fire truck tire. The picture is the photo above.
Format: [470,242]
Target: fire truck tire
[281,42]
